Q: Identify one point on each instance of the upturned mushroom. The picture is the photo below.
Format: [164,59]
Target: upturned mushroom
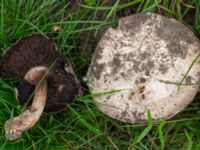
[145,58]
[34,60]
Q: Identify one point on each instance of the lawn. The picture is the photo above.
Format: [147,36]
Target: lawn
[84,127]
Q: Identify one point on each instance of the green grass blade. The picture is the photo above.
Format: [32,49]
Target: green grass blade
[187,72]
[147,129]
[160,131]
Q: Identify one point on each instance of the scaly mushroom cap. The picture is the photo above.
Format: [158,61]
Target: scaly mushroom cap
[37,50]
[140,57]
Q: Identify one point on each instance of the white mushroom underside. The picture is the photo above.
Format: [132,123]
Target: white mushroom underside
[136,59]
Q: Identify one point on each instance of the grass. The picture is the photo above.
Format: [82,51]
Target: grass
[84,127]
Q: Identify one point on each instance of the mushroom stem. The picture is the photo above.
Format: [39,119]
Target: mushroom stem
[14,127]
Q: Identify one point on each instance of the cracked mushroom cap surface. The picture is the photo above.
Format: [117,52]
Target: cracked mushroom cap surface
[143,57]
[37,50]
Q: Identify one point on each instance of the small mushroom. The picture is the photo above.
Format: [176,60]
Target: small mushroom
[144,58]
[34,60]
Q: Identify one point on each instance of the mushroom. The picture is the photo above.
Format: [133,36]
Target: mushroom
[144,59]
[34,60]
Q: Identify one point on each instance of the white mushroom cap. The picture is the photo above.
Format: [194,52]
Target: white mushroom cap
[143,51]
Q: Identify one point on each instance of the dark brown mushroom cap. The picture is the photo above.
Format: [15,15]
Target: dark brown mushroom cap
[28,52]
[37,50]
